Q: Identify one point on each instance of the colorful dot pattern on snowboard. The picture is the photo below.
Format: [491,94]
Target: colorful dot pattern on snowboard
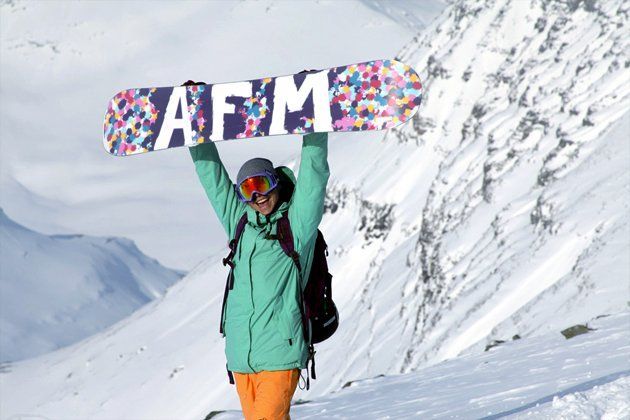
[254,111]
[128,121]
[375,95]
[197,118]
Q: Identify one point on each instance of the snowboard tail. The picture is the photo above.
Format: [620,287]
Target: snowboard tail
[374,95]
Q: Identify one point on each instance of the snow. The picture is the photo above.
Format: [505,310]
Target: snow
[544,377]
[501,210]
[412,14]
[57,290]
[607,402]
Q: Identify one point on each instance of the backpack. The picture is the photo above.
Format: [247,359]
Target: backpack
[320,317]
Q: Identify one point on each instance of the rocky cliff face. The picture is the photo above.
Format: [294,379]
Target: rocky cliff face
[502,209]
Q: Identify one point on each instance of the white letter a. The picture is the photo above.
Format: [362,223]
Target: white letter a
[170,122]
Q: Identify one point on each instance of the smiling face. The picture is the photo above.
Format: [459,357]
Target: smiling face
[265,204]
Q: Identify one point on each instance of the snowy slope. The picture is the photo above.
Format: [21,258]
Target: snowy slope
[61,62]
[59,289]
[500,210]
[546,377]
[165,361]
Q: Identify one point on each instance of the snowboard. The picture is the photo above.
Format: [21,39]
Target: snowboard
[374,95]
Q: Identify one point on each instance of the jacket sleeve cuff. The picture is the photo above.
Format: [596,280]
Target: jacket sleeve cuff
[315,139]
[204,151]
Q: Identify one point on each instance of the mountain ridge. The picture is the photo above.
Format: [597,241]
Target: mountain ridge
[58,289]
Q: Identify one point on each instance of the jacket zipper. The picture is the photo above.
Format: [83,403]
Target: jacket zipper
[251,296]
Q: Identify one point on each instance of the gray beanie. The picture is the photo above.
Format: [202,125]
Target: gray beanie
[253,167]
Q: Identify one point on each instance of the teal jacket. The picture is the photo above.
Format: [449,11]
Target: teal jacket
[263,325]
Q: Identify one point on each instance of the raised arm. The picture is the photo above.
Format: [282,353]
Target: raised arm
[216,182]
[307,207]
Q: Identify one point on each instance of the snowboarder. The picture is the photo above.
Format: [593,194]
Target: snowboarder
[262,322]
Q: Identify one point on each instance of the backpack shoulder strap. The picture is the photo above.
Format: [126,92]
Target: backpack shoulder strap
[229,283]
[234,242]
[285,237]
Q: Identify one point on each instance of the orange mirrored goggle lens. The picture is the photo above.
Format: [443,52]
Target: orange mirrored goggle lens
[257,184]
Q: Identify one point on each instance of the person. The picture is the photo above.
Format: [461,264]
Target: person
[265,344]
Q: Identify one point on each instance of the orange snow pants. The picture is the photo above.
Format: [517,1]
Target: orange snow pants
[266,394]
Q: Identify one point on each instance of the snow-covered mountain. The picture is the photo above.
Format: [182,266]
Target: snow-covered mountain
[413,14]
[56,290]
[501,210]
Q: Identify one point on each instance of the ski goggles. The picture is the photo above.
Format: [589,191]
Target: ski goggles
[261,184]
